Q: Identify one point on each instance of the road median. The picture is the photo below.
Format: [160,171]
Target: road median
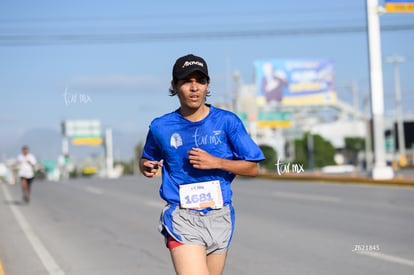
[352,178]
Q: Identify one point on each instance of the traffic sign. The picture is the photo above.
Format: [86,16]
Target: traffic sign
[81,128]
[92,141]
[83,132]
[274,120]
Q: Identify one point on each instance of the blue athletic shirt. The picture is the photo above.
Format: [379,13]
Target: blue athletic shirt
[221,133]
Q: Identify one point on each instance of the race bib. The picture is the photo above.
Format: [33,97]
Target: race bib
[201,195]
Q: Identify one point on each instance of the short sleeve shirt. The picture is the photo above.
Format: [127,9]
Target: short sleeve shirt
[221,133]
[25,163]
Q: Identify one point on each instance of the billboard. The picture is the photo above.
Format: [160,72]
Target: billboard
[399,5]
[295,82]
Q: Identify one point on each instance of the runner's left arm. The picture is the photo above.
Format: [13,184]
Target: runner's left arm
[201,159]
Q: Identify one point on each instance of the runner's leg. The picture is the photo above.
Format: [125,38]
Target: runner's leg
[25,187]
[215,263]
[190,260]
[29,186]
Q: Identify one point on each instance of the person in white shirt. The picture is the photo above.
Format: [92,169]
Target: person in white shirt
[26,162]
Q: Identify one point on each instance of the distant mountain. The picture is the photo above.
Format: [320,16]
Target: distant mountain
[124,143]
[46,144]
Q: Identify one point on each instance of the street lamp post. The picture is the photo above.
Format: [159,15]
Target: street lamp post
[235,99]
[380,169]
[368,138]
[395,60]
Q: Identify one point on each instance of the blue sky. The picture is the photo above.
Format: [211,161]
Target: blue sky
[115,57]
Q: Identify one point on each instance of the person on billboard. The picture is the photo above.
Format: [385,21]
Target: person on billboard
[273,83]
[200,149]
[26,163]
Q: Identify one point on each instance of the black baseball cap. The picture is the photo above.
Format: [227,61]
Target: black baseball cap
[188,64]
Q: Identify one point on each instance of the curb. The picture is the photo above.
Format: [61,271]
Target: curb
[352,179]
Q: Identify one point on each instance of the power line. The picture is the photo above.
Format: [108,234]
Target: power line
[66,39]
[210,15]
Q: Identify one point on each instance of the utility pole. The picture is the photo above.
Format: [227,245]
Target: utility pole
[380,169]
[395,60]
[368,138]
[355,95]
[235,99]
[109,156]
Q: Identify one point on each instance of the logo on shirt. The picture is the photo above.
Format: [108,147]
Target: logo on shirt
[176,140]
[203,139]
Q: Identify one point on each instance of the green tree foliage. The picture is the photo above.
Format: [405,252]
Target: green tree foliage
[353,145]
[323,152]
[301,155]
[270,157]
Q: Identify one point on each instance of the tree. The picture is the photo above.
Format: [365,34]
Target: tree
[137,155]
[353,146]
[270,157]
[301,155]
[323,151]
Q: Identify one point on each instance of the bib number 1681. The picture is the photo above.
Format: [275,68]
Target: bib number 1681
[197,198]
[201,195]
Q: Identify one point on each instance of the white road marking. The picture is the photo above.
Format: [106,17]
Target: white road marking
[387,257]
[45,257]
[301,196]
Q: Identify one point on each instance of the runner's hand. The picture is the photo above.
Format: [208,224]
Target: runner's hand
[201,159]
[150,167]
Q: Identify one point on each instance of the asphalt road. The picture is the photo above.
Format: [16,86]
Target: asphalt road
[102,226]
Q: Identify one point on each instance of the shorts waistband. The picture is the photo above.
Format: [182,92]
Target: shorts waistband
[205,211]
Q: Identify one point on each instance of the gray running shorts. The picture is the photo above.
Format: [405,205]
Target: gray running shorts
[213,229]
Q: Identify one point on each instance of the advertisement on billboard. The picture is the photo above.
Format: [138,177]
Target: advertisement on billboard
[399,5]
[295,82]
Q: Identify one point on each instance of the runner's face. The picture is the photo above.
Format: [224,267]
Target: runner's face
[192,91]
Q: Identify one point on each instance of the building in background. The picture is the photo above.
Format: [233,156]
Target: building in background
[291,97]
